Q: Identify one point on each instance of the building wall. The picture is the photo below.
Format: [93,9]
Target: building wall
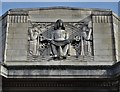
[116,36]
[51,15]
[17,38]
[105,39]
[119,38]
[0,83]
[59,85]
[1,40]
[3,29]
[22,75]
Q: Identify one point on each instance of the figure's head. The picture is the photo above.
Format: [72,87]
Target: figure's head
[59,24]
[35,28]
[84,28]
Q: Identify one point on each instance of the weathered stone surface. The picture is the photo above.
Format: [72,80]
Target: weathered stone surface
[93,55]
[0,83]
[54,14]
[17,42]
[3,29]
[102,47]
[119,42]
[61,71]
[103,41]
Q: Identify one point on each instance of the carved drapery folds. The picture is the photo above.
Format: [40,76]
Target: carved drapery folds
[37,43]
[64,41]
[82,41]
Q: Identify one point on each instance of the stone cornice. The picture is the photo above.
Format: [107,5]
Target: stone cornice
[62,71]
[59,7]
[24,11]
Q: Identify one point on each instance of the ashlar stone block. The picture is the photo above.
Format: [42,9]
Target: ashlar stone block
[103,58]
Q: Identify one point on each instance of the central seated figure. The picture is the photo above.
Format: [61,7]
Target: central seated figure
[60,40]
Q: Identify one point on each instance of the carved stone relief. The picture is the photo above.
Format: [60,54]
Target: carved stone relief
[59,40]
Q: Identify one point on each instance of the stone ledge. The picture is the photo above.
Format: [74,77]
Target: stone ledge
[60,71]
[61,62]
[3,70]
[63,71]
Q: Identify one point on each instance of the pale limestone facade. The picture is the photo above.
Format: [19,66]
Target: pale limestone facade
[16,24]
[17,62]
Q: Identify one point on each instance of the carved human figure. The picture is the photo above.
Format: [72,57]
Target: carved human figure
[34,39]
[89,38]
[86,39]
[60,42]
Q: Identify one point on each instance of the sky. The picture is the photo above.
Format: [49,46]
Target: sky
[104,5]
